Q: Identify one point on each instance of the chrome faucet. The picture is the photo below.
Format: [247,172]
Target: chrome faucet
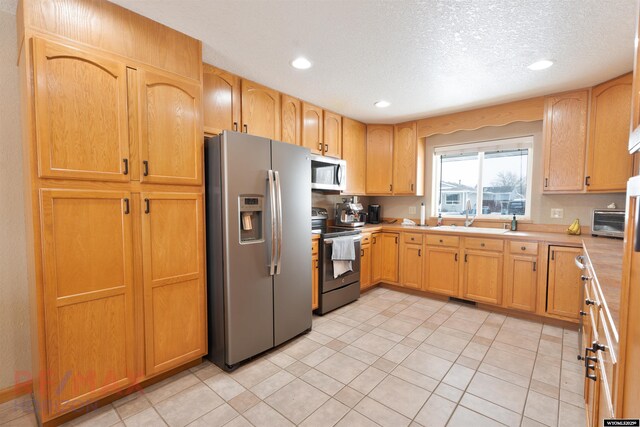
[467,221]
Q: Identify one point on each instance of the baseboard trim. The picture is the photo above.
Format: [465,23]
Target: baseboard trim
[16,390]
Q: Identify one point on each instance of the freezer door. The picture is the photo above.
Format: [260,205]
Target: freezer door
[247,283]
[292,282]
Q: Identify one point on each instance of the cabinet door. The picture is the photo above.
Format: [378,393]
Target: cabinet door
[354,151]
[260,110]
[376,258]
[609,163]
[88,295]
[634,137]
[312,127]
[174,291]
[171,134]
[482,279]
[411,266]
[221,100]
[521,282]
[332,134]
[291,120]
[407,161]
[441,270]
[315,271]
[563,286]
[379,155]
[390,252]
[565,139]
[80,114]
[365,267]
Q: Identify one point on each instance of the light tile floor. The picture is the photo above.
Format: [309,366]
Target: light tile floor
[389,359]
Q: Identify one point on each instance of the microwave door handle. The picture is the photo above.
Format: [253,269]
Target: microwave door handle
[279,221]
[339,174]
[272,203]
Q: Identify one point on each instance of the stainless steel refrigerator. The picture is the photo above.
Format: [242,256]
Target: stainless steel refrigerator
[258,245]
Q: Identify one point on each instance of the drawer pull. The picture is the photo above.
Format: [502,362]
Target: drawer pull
[482,245]
[523,248]
[590,302]
[361,252]
[596,346]
[535,264]
[419,252]
[585,278]
[412,239]
[591,376]
[456,258]
[583,313]
[441,241]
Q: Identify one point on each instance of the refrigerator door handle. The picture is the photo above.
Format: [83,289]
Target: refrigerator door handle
[272,203]
[279,220]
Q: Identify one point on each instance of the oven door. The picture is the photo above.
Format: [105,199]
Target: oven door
[327,281]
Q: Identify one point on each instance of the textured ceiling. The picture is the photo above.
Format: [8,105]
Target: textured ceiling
[425,57]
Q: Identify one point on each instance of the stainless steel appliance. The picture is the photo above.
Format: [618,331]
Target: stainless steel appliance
[375,213]
[259,280]
[348,213]
[335,292]
[608,222]
[328,173]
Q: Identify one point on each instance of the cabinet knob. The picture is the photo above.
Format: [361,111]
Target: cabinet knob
[523,248]
[589,302]
[412,239]
[583,313]
[441,241]
[585,278]
[482,245]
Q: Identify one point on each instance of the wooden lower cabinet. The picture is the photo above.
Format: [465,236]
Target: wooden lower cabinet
[441,270]
[482,276]
[88,295]
[411,265]
[315,274]
[389,256]
[376,257]
[563,282]
[365,267]
[521,282]
[174,279]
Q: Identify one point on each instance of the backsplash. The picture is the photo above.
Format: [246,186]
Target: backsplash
[328,201]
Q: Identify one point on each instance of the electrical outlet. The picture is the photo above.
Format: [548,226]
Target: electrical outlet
[412,210]
[557,213]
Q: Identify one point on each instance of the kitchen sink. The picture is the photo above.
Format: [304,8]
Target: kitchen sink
[470,230]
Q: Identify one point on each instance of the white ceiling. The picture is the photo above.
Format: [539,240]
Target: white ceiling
[426,57]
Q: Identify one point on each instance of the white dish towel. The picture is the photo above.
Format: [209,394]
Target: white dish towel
[343,252]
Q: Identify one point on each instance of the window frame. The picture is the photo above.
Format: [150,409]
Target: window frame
[504,144]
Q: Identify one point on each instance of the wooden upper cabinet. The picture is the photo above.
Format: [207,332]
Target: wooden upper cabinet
[609,163]
[260,110]
[332,134]
[173,270]
[171,135]
[565,138]
[354,152]
[88,295]
[634,137]
[220,100]
[291,120]
[379,163]
[312,127]
[408,161]
[80,114]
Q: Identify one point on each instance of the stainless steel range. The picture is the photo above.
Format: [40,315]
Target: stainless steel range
[335,292]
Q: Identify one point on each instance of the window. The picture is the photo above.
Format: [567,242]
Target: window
[493,178]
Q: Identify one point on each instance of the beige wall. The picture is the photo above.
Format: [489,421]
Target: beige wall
[574,205]
[14,303]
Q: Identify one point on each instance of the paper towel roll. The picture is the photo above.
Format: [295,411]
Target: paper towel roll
[422,214]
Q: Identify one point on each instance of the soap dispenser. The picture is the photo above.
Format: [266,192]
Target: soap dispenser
[514,223]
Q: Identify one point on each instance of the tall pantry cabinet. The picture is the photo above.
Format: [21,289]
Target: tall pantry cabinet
[114,194]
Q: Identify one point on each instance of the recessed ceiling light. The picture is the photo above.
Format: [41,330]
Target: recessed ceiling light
[540,65]
[382,104]
[301,63]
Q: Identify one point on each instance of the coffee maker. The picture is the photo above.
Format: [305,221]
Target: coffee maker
[374,214]
[349,213]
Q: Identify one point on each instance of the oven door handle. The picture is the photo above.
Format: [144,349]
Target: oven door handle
[330,241]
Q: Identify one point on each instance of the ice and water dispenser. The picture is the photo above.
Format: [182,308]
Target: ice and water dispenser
[250,218]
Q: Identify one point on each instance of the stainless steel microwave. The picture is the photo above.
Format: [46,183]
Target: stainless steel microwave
[328,173]
[608,222]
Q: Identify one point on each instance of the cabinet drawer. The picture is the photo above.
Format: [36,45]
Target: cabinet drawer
[443,240]
[607,363]
[412,237]
[483,244]
[314,247]
[366,238]
[530,248]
